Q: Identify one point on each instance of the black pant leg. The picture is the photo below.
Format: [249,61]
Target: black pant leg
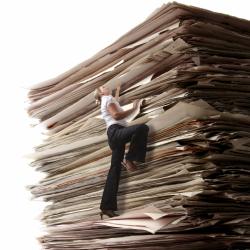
[118,136]
[137,136]
[109,197]
[138,145]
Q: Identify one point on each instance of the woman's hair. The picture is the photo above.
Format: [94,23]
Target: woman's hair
[97,95]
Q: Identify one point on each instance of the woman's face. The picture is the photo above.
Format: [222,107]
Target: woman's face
[105,90]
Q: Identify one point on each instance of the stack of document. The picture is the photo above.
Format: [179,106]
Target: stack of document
[191,69]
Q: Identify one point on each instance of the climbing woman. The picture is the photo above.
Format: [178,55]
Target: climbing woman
[119,133]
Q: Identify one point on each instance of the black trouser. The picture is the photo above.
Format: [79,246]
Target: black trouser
[118,136]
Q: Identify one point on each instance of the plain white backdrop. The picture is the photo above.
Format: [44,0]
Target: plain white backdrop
[39,40]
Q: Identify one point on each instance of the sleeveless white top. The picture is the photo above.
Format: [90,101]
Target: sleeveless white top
[109,120]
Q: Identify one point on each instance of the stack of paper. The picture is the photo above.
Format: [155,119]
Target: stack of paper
[191,67]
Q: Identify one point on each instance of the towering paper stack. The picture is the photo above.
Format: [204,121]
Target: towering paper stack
[192,68]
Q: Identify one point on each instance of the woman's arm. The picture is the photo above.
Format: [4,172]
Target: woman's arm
[117,93]
[118,115]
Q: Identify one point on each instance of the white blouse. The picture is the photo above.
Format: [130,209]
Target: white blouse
[109,120]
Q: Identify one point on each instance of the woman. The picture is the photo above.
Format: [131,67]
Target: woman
[119,133]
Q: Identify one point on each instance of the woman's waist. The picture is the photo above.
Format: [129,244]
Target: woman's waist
[114,126]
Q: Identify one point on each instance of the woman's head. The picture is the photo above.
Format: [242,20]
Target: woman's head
[100,91]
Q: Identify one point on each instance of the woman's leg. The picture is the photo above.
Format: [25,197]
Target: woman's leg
[137,136]
[138,144]
[109,197]
[118,137]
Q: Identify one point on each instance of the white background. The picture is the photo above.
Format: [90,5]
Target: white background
[39,40]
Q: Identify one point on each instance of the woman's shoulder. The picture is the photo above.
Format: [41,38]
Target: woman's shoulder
[107,97]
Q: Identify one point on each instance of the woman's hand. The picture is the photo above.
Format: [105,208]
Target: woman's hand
[136,103]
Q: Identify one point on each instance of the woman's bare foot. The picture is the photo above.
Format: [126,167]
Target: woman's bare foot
[130,166]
